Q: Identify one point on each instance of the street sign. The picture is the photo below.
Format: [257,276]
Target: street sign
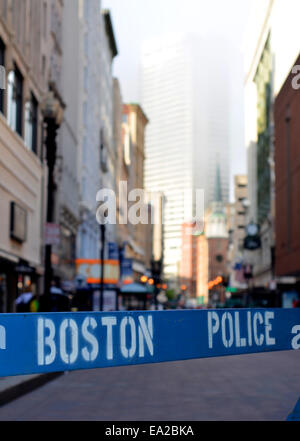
[126,270]
[56,342]
[231,289]
[113,251]
[252,243]
[90,271]
[52,234]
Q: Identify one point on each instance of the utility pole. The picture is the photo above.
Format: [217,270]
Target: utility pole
[53,115]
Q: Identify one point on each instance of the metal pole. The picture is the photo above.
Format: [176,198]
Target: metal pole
[102,231]
[51,159]
[118,291]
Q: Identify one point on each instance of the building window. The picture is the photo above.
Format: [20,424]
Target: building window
[18,222]
[31,117]
[2,65]
[103,152]
[127,148]
[45,20]
[43,66]
[15,101]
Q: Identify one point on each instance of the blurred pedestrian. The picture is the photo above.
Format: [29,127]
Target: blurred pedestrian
[34,304]
[23,301]
[296,303]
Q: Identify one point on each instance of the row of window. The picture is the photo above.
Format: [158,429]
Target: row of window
[2,49]
[15,111]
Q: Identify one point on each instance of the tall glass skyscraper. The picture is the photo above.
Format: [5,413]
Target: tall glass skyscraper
[185,94]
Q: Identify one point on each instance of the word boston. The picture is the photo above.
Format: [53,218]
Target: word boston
[55,342]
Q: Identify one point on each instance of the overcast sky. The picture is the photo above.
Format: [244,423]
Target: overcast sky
[137,20]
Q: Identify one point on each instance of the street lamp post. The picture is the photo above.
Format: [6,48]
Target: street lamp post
[52,117]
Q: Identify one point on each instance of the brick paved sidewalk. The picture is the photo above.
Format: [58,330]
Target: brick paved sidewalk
[256,387]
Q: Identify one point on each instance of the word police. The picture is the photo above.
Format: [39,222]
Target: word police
[235,331]
[70,341]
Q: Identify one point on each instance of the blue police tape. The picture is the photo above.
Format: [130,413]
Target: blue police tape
[54,342]
[295,415]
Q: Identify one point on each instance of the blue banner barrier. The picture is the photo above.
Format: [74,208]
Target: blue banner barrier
[54,342]
[295,415]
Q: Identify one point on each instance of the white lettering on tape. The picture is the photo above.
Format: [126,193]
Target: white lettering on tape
[296,339]
[70,341]
[89,322]
[257,328]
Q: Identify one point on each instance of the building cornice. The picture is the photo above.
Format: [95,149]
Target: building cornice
[110,32]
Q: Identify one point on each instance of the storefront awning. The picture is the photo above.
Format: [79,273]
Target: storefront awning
[134,288]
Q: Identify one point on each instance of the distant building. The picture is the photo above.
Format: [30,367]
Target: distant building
[28,30]
[188,267]
[106,52]
[158,206]
[216,232]
[238,216]
[97,155]
[185,134]
[166,90]
[205,255]
[121,167]
[217,240]
[67,214]
[194,265]
[202,270]
[132,174]
[270,50]
[287,172]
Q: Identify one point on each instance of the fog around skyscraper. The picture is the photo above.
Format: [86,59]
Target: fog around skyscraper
[168,99]
[186,87]
[210,21]
[187,74]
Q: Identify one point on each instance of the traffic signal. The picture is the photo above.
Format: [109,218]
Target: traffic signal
[225,282]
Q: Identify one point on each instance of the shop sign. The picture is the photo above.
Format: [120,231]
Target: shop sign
[52,234]
[113,251]
[90,270]
[252,243]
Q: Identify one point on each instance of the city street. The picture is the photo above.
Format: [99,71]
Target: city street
[259,387]
[150,213]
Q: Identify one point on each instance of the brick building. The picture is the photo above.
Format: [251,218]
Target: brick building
[287,167]
[188,268]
